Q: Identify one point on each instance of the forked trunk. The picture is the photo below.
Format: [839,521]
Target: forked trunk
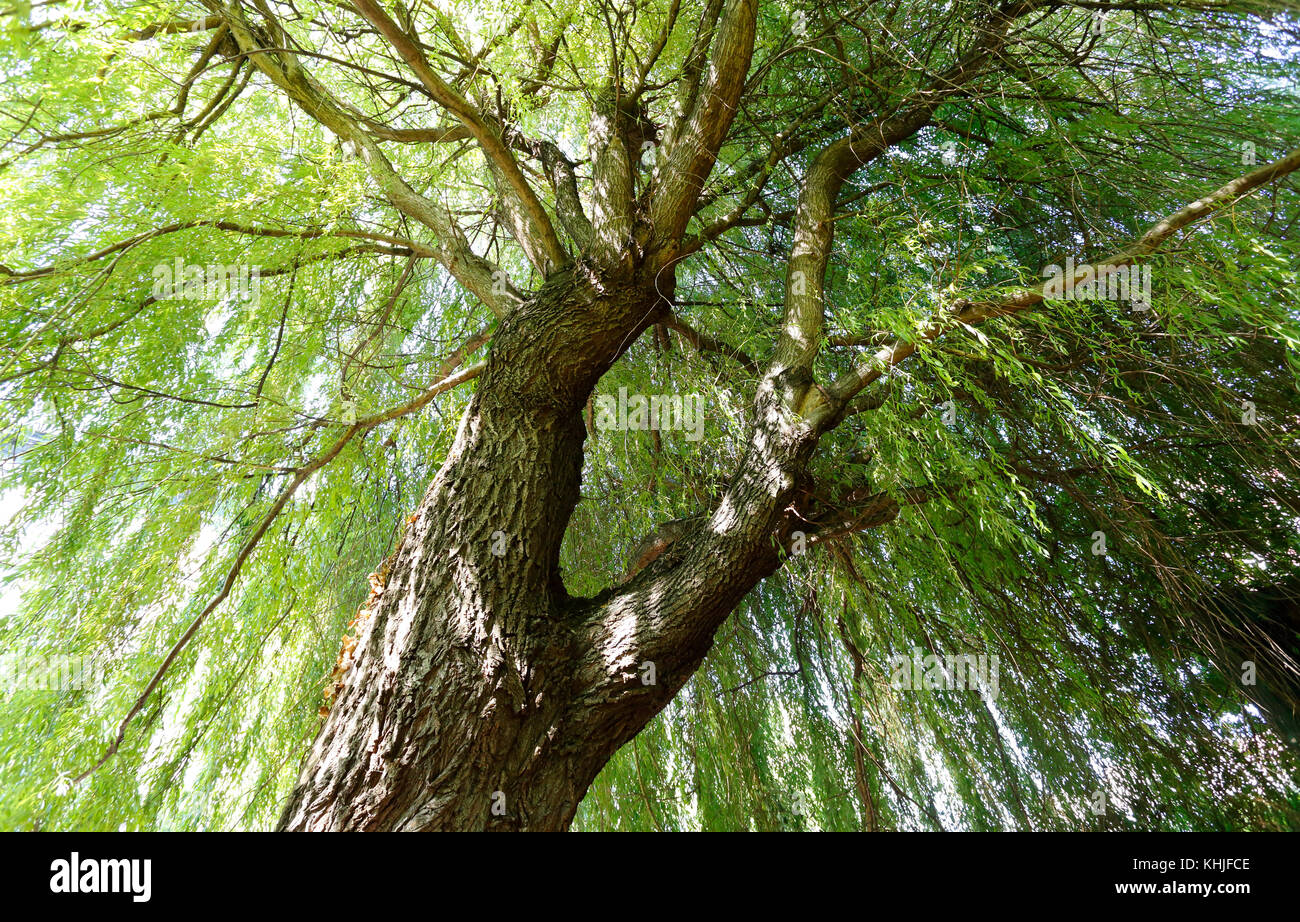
[483,697]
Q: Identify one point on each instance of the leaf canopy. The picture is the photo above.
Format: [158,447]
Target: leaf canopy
[146,437]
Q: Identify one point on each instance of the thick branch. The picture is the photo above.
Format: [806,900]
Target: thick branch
[689,159]
[814,227]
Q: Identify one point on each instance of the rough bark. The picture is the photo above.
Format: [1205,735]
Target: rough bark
[482,695]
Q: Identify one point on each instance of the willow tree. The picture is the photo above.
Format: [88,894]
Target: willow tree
[988,311]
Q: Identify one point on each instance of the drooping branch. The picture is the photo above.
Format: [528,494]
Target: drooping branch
[703,342]
[252,230]
[968,313]
[447,378]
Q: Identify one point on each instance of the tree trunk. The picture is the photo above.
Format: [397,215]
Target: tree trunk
[483,696]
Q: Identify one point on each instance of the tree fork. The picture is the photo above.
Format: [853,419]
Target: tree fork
[453,714]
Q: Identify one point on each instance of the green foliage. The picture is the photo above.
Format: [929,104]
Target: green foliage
[146,438]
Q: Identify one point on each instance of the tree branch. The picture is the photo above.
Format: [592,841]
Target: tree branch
[814,229]
[969,313]
[689,157]
[451,249]
[529,222]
